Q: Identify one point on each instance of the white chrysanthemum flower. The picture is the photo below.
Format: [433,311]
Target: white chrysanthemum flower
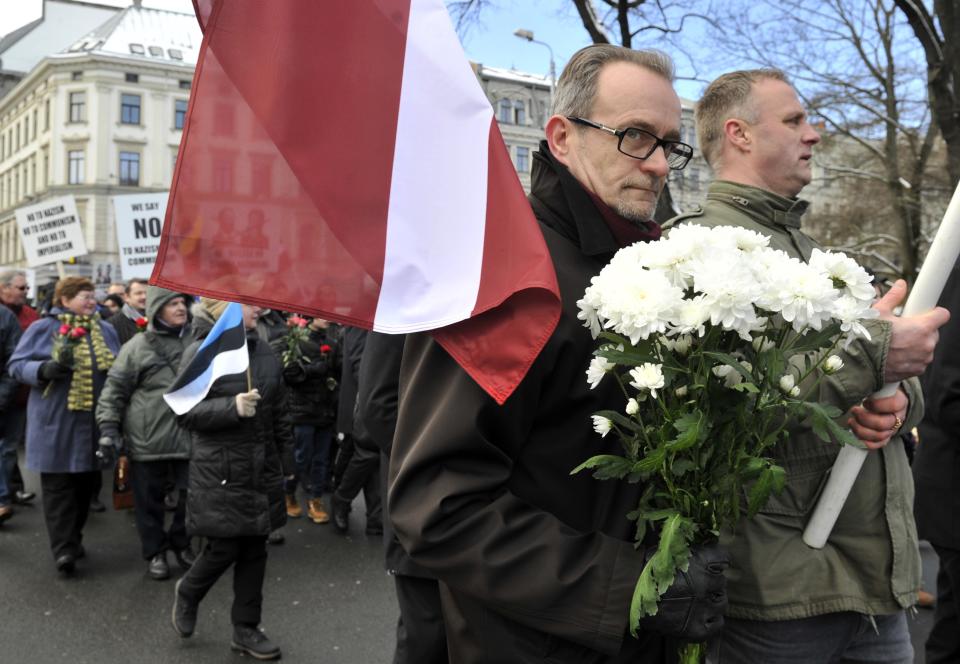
[588,305]
[761,344]
[845,273]
[730,291]
[681,345]
[742,239]
[730,376]
[635,302]
[832,365]
[806,297]
[787,383]
[851,313]
[690,317]
[597,370]
[632,407]
[681,391]
[647,376]
[601,425]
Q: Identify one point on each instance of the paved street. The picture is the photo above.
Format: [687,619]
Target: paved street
[326,599]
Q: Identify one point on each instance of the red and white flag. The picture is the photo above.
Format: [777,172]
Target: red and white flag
[340,159]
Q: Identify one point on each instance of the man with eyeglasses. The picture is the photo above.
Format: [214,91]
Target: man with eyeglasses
[788,602]
[535,564]
[13,294]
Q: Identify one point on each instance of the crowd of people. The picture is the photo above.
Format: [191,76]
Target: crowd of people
[499,554]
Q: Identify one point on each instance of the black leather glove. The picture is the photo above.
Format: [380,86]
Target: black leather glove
[53,370]
[692,608]
[108,447]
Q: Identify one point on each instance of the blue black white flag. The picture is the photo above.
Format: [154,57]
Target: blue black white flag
[223,352]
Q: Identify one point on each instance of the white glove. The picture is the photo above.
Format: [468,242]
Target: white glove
[247,403]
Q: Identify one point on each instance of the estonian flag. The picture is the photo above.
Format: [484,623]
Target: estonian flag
[223,352]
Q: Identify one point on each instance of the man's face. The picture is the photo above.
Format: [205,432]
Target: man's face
[251,314]
[174,312]
[137,297]
[16,293]
[628,95]
[116,289]
[781,139]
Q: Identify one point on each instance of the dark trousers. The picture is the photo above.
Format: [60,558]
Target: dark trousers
[363,472]
[248,555]
[943,644]
[311,455]
[66,505]
[421,638]
[149,481]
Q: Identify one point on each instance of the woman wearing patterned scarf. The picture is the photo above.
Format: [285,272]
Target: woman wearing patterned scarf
[64,357]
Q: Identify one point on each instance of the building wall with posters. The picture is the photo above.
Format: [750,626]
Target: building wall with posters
[99,119]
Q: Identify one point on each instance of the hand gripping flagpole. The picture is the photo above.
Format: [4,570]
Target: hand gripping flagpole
[926,292]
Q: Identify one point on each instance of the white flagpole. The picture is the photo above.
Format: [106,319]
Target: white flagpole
[926,292]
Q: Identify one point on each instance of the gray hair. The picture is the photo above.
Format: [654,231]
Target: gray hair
[7,276]
[727,97]
[577,86]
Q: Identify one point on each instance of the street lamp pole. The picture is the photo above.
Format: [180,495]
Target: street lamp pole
[528,35]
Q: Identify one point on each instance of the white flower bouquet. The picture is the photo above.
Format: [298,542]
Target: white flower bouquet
[717,342]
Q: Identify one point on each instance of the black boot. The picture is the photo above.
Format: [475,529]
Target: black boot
[254,642]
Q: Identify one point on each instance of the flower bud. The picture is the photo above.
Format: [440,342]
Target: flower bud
[795,392]
[632,407]
[832,365]
[681,391]
[601,425]
[787,384]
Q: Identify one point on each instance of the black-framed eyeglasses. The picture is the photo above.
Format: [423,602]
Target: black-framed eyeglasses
[640,143]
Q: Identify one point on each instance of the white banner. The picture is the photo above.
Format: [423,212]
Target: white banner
[50,231]
[139,221]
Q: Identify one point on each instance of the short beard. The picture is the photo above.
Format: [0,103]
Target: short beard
[632,213]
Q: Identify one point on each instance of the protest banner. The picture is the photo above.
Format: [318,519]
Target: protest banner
[50,231]
[139,222]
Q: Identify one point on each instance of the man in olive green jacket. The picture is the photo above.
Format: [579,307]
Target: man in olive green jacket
[132,409]
[788,602]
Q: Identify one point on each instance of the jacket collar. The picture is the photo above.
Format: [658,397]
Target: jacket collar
[762,206]
[562,203]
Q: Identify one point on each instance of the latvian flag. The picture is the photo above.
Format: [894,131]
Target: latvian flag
[223,352]
[340,159]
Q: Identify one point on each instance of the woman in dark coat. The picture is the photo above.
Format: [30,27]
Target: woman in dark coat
[242,441]
[61,431]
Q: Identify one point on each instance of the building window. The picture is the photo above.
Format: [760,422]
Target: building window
[179,113]
[505,115]
[132,78]
[76,75]
[46,115]
[175,53]
[224,120]
[137,49]
[155,51]
[78,106]
[523,159]
[75,167]
[17,130]
[184,85]
[130,169]
[223,175]
[36,112]
[520,113]
[130,109]
[3,147]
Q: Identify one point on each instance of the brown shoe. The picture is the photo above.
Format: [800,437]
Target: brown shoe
[294,511]
[6,512]
[316,511]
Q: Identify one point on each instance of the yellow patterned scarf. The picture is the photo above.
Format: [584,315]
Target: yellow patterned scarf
[80,396]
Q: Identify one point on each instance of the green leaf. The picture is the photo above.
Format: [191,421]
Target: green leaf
[752,467]
[770,478]
[814,340]
[672,555]
[681,467]
[606,466]
[746,387]
[626,358]
[691,430]
[731,361]
[824,426]
[651,461]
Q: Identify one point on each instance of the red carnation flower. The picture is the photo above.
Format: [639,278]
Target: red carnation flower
[325,348]
[64,330]
[77,332]
[141,322]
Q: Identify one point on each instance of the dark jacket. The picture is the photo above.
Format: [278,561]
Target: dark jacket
[377,399]
[352,344]
[538,565]
[58,440]
[936,466]
[314,380]
[124,325]
[9,336]
[237,464]
[133,395]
